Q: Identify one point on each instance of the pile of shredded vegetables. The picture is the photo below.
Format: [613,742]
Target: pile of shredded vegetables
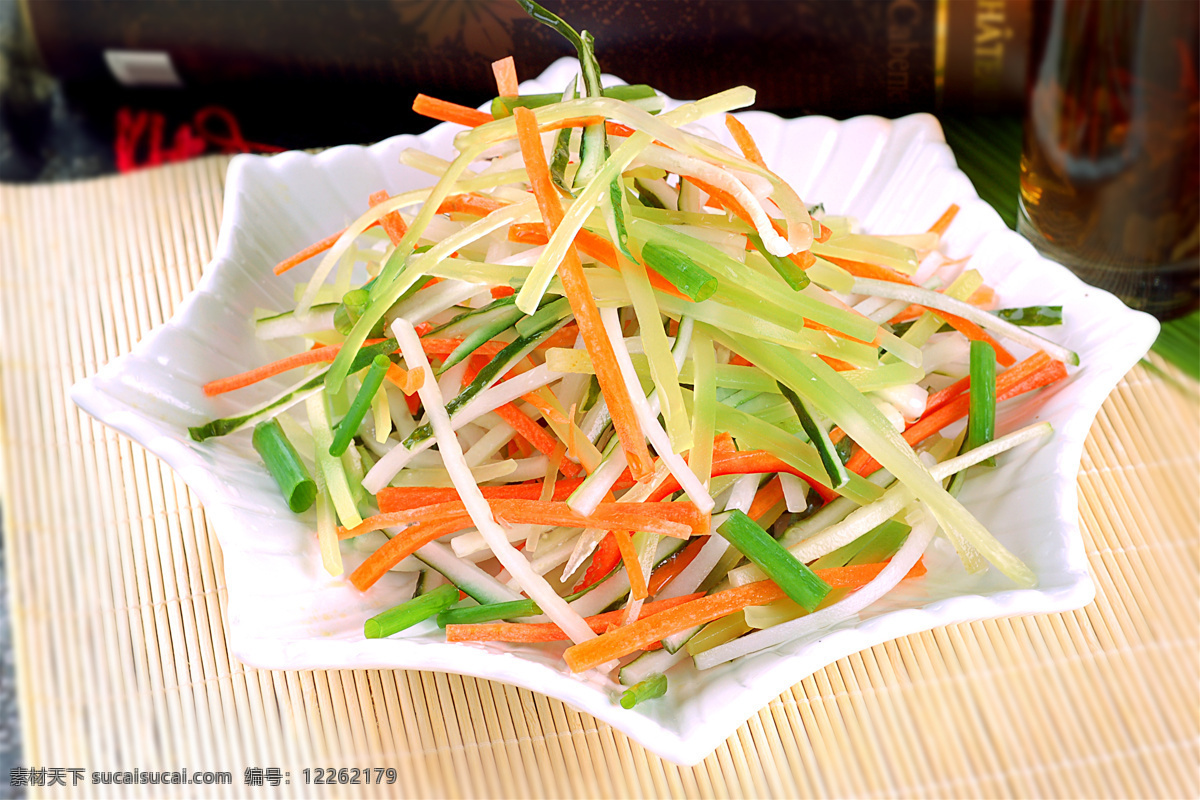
[612,383]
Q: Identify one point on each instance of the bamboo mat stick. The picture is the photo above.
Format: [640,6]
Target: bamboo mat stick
[120,627]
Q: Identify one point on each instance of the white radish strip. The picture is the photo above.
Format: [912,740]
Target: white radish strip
[464,544]
[694,573]
[869,516]
[527,469]
[434,300]
[489,443]
[673,161]
[442,558]
[649,419]
[907,398]
[989,322]
[291,325]
[472,498]
[795,492]
[914,546]
[551,555]
[488,400]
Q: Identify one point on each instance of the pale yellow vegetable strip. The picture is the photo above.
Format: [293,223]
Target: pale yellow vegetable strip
[704,408]
[658,351]
[382,415]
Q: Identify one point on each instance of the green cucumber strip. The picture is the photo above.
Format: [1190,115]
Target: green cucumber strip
[285,466]
[640,692]
[547,314]
[1032,316]
[616,210]
[475,339]
[787,269]
[280,403]
[344,432]
[490,612]
[503,106]
[680,271]
[408,614]
[834,468]
[981,424]
[796,580]
[562,143]
[472,318]
[878,544]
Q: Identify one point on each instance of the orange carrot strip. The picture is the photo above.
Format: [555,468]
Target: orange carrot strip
[1009,384]
[670,519]
[670,570]
[747,462]
[548,631]
[744,140]
[593,246]
[803,260]
[314,356]
[392,222]
[943,222]
[400,547]
[472,203]
[633,568]
[535,434]
[617,129]
[502,291]
[1033,364]
[656,627]
[544,407]
[304,255]
[766,498]
[406,381]
[505,71]
[583,304]
[446,111]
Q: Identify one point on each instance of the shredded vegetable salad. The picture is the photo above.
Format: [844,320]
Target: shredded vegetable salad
[612,384]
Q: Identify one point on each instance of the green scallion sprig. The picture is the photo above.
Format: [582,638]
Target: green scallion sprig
[408,614]
[795,579]
[830,458]
[981,424]
[640,692]
[343,434]
[285,466]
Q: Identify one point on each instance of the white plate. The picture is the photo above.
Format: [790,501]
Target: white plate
[286,613]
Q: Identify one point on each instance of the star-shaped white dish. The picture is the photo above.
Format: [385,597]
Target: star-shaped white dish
[285,612]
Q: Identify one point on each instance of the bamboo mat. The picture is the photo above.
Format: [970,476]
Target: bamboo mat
[118,599]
